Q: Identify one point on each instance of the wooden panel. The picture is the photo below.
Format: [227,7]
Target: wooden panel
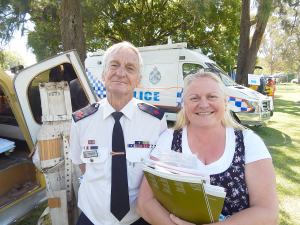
[49,149]
[54,203]
[59,215]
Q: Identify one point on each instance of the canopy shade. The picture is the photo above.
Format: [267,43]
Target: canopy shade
[276,75]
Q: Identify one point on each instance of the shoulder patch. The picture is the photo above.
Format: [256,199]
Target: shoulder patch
[156,112]
[85,112]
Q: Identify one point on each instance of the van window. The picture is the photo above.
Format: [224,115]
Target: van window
[189,67]
[63,72]
[227,80]
[6,114]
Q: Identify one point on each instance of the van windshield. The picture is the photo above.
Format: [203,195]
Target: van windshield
[227,80]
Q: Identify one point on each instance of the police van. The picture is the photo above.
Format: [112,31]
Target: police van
[23,186]
[162,82]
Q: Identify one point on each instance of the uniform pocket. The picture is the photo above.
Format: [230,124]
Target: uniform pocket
[134,158]
[135,155]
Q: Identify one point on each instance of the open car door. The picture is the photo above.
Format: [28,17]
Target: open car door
[64,67]
[22,188]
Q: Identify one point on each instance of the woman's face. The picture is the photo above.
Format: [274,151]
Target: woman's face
[205,102]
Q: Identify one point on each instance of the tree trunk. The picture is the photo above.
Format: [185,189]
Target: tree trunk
[248,54]
[71,27]
[244,40]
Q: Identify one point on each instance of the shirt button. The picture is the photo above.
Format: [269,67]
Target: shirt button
[91,160]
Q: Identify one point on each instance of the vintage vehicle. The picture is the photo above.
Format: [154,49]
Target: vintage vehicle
[22,188]
[162,82]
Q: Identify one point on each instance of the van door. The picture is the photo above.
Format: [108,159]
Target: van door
[64,67]
[159,85]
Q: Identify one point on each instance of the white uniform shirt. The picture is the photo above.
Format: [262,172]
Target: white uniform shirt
[95,189]
[255,149]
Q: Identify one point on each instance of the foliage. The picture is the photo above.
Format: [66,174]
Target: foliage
[45,40]
[217,30]
[213,27]
[272,46]
[146,23]
[249,46]
[47,37]
[10,59]
[34,217]
[280,46]
[291,24]
[12,17]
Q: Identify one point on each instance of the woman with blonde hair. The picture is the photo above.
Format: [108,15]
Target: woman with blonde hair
[234,157]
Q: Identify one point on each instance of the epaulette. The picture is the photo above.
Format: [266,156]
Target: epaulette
[156,112]
[85,112]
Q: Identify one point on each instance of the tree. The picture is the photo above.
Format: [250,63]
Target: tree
[272,46]
[12,17]
[291,53]
[69,20]
[214,30]
[146,23]
[247,54]
[71,27]
[10,59]
[280,45]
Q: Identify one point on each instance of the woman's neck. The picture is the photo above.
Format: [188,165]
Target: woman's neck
[208,143]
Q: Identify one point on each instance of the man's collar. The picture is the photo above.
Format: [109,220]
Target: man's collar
[127,110]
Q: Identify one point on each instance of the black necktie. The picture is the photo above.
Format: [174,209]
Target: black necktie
[119,200]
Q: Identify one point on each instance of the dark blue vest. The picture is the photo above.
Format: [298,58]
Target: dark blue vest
[232,179]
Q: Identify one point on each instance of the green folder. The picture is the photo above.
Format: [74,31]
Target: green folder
[187,197]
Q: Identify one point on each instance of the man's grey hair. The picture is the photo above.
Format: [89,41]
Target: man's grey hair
[120,47]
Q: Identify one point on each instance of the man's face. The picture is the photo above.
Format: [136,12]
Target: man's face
[121,74]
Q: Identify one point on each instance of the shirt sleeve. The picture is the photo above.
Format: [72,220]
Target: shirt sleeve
[255,148]
[75,148]
[163,142]
[163,125]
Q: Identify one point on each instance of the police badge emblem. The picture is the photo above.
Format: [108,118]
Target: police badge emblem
[155,76]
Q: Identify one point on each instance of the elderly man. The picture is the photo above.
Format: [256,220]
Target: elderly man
[110,138]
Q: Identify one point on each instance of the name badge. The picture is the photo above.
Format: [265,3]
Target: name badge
[90,153]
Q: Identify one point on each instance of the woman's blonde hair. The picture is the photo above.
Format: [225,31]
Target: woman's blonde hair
[227,119]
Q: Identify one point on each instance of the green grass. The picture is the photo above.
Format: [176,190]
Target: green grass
[34,217]
[282,137]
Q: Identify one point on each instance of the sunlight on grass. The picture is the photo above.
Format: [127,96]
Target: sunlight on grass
[282,137]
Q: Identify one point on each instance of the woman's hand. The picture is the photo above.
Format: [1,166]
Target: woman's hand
[178,221]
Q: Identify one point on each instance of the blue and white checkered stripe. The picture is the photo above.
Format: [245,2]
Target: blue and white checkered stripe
[240,103]
[179,100]
[98,87]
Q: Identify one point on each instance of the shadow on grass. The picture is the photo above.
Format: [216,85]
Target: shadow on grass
[285,106]
[284,217]
[283,151]
[275,141]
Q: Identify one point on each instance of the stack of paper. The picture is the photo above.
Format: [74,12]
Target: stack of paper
[186,193]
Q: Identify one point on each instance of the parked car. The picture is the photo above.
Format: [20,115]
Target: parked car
[22,188]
